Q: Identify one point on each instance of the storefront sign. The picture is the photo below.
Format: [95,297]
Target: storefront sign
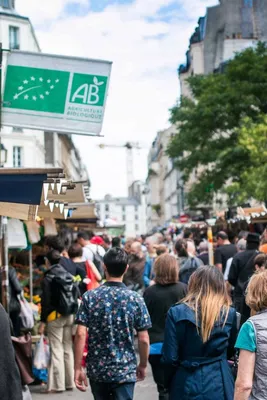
[54,93]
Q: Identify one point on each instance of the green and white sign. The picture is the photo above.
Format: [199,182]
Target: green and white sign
[53,93]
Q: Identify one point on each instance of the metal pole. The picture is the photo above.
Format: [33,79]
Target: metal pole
[4,242]
[1,64]
[210,244]
[31,274]
[130,167]
[5,279]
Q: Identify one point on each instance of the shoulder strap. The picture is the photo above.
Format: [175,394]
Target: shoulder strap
[89,248]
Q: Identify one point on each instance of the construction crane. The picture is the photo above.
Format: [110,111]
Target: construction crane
[129,146]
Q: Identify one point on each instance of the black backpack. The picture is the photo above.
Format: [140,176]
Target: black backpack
[65,292]
[98,261]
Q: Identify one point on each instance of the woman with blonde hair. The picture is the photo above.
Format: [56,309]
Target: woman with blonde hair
[159,298]
[251,380]
[200,333]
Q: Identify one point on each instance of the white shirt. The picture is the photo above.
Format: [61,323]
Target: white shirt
[227,268]
[90,249]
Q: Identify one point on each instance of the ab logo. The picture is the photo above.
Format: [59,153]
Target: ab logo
[88,89]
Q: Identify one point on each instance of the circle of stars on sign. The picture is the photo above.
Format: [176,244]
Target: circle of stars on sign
[35,83]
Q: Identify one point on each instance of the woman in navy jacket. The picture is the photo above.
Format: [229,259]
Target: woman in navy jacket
[200,335]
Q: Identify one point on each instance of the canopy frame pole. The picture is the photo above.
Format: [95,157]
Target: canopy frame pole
[31,274]
[5,268]
[4,241]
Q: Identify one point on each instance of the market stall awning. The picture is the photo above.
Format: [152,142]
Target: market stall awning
[72,211]
[45,212]
[79,226]
[83,211]
[75,193]
[25,212]
[252,214]
[25,185]
[251,211]
[54,204]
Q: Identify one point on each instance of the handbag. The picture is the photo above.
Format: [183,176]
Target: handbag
[23,354]
[93,284]
[26,314]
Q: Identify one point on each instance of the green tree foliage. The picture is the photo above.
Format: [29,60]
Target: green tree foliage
[213,128]
[252,136]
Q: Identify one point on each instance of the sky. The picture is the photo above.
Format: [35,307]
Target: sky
[146,40]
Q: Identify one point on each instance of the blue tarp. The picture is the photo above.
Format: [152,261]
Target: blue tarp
[21,188]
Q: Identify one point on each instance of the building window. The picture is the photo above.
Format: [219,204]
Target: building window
[136,208]
[106,207]
[137,227]
[5,3]
[124,218]
[123,208]
[136,217]
[17,156]
[17,129]
[14,38]
[107,216]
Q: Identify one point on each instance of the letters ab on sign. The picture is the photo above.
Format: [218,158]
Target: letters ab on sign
[53,93]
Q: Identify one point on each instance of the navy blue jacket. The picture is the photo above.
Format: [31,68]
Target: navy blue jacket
[196,370]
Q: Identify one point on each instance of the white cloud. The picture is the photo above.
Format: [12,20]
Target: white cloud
[144,81]
[42,11]
[143,8]
[194,9]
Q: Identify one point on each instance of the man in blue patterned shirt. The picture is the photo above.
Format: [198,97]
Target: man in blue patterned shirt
[111,313]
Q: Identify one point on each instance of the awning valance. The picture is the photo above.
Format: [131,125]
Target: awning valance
[74,195]
[25,212]
[25,185]
[21,188]
[82,211]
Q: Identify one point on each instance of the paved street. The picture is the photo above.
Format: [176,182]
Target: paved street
[144,391]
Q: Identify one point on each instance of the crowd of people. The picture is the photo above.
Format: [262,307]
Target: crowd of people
[201,327]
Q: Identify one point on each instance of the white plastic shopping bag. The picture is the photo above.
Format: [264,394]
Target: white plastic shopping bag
[26,394]
[26,314]
[42,354]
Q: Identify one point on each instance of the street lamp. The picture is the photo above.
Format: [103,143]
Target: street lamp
[3,155]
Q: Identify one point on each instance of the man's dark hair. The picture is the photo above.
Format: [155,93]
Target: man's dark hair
[116,242]
[90,234]
[83,235]
[181,248]
[22,258]
[55,243]
[222,235]
[187,233]
[106,239]
[40,260]
[53,257]
[86,235]
[75,250]
[116,261]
